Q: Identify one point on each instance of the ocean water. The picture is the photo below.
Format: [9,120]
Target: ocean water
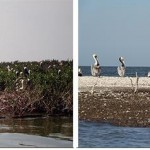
[112,71]
[103,135]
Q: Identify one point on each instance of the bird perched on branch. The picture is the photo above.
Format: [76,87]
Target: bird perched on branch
[26,72]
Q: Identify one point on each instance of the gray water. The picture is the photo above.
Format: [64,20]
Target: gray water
[36,132]
[103,135]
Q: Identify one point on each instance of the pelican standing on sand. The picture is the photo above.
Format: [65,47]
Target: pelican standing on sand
[95,69]
[121,69]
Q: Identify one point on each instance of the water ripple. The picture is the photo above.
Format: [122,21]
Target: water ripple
[92,134]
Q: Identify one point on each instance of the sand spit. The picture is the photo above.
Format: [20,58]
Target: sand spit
[114,100]
[112,82]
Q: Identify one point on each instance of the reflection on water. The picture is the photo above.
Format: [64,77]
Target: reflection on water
[58,127]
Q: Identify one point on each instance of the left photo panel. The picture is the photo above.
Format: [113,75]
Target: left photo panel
[36,73]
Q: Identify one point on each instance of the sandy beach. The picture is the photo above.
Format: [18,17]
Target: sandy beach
[115,100]
[87,82]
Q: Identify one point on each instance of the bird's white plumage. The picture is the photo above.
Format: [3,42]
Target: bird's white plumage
[79,72]
[95,69]
[121,69]
[148,74]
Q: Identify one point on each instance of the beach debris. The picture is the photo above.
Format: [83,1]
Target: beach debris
[92,90]
[125,111]
[137,80]
[131,83]
[135,89]
[105,104]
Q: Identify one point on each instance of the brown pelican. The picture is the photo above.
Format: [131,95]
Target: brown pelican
[95,69]
[26,71]
[121,69]
[79,72]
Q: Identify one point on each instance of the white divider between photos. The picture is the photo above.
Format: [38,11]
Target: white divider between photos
[75,73]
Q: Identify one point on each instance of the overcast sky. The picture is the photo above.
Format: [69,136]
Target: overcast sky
[113,28]
[36,30]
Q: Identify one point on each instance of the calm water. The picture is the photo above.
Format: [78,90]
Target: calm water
[112,71]
[102,135]
[36,132]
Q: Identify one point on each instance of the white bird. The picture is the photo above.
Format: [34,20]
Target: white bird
[17,74]
[59,72]
[148,74]
[9,69]
[121,69]
[95,69]
[22,84]
[79,72]
[41,64]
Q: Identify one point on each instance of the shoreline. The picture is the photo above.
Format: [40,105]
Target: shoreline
[114,100]
[106,81]
[87,83]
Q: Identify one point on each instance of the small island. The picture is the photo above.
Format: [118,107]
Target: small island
[36,88]
[123,101]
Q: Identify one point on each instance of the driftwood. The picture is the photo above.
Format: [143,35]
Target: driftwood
[135,89]
[92,90]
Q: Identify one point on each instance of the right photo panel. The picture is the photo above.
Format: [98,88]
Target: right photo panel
[114,73]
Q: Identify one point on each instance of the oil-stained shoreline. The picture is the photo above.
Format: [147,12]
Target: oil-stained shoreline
[115,100]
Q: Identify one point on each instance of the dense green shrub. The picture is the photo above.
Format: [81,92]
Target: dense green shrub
[46,89]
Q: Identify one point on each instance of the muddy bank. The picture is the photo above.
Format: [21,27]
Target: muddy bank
[115,105]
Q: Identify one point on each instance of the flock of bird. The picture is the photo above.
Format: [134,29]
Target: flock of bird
[96,69]
[23,77]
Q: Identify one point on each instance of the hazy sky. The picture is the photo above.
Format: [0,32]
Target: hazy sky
[113,28]
[36,29]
